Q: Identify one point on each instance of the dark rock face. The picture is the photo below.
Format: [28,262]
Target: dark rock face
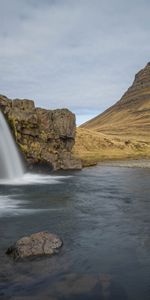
[38,244]
[140,89]
[45,137]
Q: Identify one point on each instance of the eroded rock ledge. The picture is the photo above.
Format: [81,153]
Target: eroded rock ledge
[45,137]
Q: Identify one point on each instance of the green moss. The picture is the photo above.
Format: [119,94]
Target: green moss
[12,123]
[43,135]
[24,148]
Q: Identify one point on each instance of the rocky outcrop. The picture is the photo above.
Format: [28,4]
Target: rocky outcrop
[38,244]
[140,89]
[45,137]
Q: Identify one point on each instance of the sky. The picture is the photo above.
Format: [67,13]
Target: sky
[78,54]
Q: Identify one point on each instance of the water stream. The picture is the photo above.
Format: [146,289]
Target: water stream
[10,162]
[102,215]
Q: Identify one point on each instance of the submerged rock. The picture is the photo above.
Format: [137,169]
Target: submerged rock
[37,244]
[45,137]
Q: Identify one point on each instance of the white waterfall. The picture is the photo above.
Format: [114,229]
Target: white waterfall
[10,162]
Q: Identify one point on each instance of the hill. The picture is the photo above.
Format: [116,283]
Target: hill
[123,130]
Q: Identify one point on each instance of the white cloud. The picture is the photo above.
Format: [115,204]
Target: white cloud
[78,54]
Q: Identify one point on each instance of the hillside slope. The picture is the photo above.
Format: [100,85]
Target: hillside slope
[130,115]
[123,130]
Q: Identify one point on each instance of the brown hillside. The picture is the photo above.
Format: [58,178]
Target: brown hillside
[123,130]
[130,115]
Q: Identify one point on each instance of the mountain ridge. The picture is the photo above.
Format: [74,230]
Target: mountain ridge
[126,125]
[133,105]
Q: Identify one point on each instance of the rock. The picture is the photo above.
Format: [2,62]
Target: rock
[38,244]
[45,137]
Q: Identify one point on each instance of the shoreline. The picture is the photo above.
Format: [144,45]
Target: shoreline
[129,163]
[141,162]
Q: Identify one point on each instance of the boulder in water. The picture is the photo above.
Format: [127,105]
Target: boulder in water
[37,244]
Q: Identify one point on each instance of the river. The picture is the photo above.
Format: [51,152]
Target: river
[102,215]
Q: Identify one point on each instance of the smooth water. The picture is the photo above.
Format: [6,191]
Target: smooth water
[10,162]
[102,215]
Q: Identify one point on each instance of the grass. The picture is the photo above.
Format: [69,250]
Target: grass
[92,147]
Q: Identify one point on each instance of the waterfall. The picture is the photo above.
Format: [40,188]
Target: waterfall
[10,162]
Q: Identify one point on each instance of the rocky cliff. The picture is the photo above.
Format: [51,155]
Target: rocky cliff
[45,137]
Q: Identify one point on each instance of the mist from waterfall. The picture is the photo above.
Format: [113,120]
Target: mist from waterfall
[10,162]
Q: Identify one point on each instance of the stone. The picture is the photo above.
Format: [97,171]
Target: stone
[45,137]
[38,244]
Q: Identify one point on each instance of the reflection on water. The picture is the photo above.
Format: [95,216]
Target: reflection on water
[102,215]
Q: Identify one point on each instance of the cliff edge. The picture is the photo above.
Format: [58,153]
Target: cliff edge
[45,137]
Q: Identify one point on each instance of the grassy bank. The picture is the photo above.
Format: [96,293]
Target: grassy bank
[92,147]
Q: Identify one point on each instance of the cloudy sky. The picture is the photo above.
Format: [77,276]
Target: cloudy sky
[79,54]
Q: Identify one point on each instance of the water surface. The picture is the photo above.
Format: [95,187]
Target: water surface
[102,215]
